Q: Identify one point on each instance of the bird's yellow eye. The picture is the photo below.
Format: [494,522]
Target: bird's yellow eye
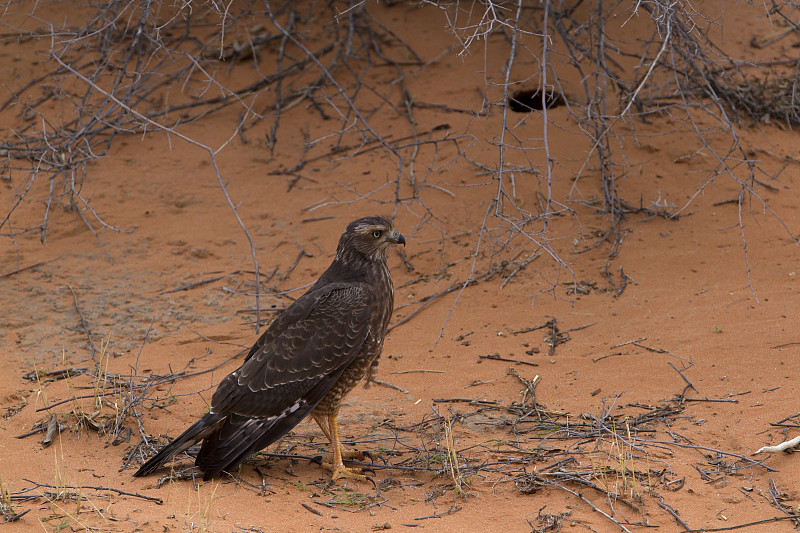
[376,234]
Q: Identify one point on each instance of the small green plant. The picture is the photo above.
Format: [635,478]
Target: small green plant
[62,522]
[299,485]
[345,497]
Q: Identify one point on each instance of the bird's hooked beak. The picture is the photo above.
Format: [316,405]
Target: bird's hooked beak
[397,238]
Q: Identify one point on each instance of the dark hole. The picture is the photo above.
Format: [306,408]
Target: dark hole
[527,100]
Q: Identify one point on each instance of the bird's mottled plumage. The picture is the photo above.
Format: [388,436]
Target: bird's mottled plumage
[309,358]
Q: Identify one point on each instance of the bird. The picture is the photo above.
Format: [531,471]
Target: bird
[309,358]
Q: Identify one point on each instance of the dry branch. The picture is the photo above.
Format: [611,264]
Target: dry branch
[782,447]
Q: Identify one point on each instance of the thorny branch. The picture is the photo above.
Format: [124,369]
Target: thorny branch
[145,69]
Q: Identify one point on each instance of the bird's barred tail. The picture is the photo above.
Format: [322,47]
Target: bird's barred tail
[197,432]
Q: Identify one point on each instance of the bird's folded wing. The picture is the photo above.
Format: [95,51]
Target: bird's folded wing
[326,331]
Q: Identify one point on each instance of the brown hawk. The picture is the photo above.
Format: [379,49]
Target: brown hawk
[309,358]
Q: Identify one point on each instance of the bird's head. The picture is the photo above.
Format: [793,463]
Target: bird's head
[370,237]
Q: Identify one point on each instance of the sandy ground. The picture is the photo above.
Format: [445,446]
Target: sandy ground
[696,310]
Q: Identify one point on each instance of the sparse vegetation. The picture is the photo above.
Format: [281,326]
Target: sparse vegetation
[316,84]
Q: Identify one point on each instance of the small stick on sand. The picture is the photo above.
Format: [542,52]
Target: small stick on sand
[780,447]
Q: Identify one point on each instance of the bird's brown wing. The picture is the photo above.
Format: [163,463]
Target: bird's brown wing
[287,377]
[324,332]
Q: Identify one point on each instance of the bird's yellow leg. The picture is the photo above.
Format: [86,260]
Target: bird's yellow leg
[337,466]
[329,459]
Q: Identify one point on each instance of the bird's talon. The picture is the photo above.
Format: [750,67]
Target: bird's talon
[328,459]
[353,455]
[344,472]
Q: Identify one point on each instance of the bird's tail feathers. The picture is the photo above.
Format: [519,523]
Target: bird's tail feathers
[196,432]
[242,436]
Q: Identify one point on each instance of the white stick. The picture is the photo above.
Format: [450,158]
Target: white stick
[780,447]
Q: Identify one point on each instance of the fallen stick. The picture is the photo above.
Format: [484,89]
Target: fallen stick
[507,360]
[780,447]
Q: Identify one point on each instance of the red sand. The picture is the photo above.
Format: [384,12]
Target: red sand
[689,296]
